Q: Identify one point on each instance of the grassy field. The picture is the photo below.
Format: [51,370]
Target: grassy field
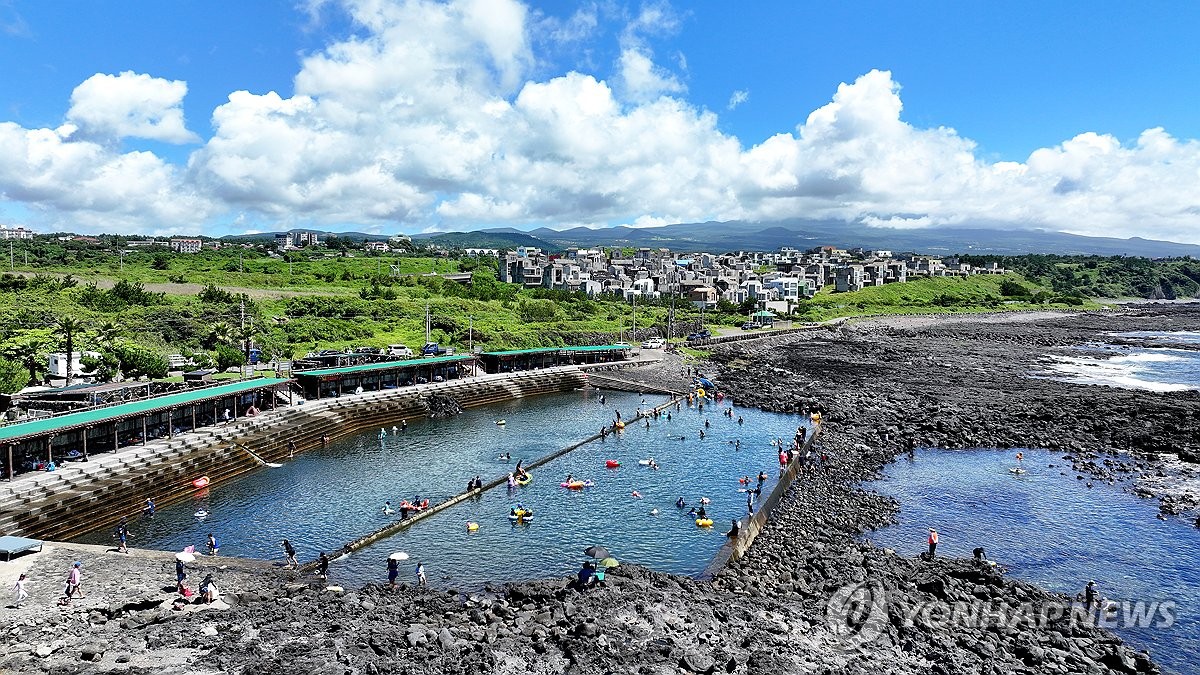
[327,273]
[207,305]
[981,293]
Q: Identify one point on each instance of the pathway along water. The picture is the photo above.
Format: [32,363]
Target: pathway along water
[325,498]
[1052,530]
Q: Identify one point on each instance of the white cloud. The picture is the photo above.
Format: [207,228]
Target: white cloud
[87,185]
[737,98]
[131,105]
[434,116]
[642,80]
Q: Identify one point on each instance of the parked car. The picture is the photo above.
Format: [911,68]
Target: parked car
[699,335]
[751,325]
[654,343]
[400,351]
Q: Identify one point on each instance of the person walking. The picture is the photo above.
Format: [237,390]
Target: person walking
[19,592]
[122,535]
[421,580]
[74,579]
[1090,596]
[323,566]
[213,547]
[290,552]
[180,575]
[933,542]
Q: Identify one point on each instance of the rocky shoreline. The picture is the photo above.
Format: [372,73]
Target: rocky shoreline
[809,597]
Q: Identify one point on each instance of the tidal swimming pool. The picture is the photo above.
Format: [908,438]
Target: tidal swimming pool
[328,497]
[1050,529]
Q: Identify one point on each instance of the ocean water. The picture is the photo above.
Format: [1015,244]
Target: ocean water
[326,498]
[1052,530]
[1150,368]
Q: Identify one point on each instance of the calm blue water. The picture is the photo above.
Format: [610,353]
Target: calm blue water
[325,498]
[1052,530]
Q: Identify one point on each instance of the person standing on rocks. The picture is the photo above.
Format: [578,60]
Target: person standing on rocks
[290,552]
[421,580]
[393,569]
[1090,596]
[323,566]
[933,542]
[180,575]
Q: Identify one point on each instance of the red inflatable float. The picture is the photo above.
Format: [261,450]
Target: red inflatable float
[612,464]
[200,482]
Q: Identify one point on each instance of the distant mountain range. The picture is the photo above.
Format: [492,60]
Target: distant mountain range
[353,236]
[720,237]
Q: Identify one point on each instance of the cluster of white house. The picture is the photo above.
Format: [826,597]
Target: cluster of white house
[15,232]
[771,279]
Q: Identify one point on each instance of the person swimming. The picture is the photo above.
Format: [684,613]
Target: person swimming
[679,503]
[387,507]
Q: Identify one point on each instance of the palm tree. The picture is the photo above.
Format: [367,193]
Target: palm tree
[218,333]
[29,355]
[107,334]
[69,326]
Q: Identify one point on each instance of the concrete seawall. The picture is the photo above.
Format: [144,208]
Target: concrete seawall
[735,547]
[83,496]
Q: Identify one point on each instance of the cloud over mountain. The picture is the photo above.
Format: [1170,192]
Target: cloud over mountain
[443,114]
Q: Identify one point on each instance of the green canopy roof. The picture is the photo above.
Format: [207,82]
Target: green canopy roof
[387,365]
[51,425]
[547,350]
[521,352]
[599,348]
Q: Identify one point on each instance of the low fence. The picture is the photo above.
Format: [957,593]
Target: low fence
[735,547]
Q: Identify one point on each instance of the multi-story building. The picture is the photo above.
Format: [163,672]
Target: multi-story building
[15,232]
[181,245]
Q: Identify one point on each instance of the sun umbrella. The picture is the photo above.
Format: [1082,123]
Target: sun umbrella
[596,552]
[185,557]
[609,562]
[398,555]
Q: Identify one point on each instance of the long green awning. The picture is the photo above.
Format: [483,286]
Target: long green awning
[386,365]
[522,352]
[53,425]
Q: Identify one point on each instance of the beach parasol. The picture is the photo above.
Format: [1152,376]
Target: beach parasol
[398,555]
[609,562]
[596,552]
[185,556]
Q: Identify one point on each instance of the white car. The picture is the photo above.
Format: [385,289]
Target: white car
[654,343]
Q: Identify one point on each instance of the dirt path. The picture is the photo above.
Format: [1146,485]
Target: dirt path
[193,289]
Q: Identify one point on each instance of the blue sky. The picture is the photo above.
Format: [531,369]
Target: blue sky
[408,116]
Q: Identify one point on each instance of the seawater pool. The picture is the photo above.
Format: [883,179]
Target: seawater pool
[324,498]
[1052,530]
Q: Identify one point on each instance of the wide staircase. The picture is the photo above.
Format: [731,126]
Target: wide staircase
[82,496]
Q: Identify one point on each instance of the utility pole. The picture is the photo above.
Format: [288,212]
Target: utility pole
[471,334]
[240,262]
[428,332]
[11,264]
